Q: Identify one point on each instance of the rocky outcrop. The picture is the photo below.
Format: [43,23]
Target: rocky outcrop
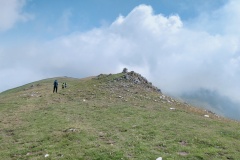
[125,70]
[137,79]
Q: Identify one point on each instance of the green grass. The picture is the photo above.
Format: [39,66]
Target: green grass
[99,118]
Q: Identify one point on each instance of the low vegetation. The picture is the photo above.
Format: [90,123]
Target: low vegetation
[109,117]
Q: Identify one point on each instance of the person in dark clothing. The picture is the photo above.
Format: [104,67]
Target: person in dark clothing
[65,85]
[55,86]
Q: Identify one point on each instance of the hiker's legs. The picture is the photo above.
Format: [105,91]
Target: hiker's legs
[55,89]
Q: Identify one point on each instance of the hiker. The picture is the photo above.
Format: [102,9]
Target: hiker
[63,86]
[55,86]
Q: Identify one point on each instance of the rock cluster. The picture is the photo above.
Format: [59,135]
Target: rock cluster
[137,79]
[129,86]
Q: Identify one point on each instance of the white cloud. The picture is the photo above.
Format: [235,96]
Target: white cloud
[221,21]
[11,13]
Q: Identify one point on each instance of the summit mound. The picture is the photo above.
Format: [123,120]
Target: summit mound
[114,116]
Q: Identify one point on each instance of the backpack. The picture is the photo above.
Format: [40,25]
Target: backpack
[55,83]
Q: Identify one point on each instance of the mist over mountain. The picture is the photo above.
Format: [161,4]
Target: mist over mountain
[213,101]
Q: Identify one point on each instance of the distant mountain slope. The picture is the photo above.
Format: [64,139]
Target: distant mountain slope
[215,102]
[115,116]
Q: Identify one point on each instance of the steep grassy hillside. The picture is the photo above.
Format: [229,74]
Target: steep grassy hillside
[109,117]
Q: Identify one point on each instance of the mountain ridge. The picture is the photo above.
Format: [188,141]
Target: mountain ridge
[109,116]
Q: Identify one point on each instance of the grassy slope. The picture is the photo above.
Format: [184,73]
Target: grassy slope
[103,119]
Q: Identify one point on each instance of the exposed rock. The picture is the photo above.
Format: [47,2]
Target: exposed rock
[100,76]
[127,86]
[70,130]
[28,154]
[102,134]
[211,112]
[137,79]
[183,143]
[110,142]
[46,155]
[125,70]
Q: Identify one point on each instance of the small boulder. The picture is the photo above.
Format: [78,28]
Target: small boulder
[125,70]
[46,155]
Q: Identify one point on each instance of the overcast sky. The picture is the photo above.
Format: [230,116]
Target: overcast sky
[181,46]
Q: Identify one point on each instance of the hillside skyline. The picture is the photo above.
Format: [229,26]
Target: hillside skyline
[110,116]
[182,47]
